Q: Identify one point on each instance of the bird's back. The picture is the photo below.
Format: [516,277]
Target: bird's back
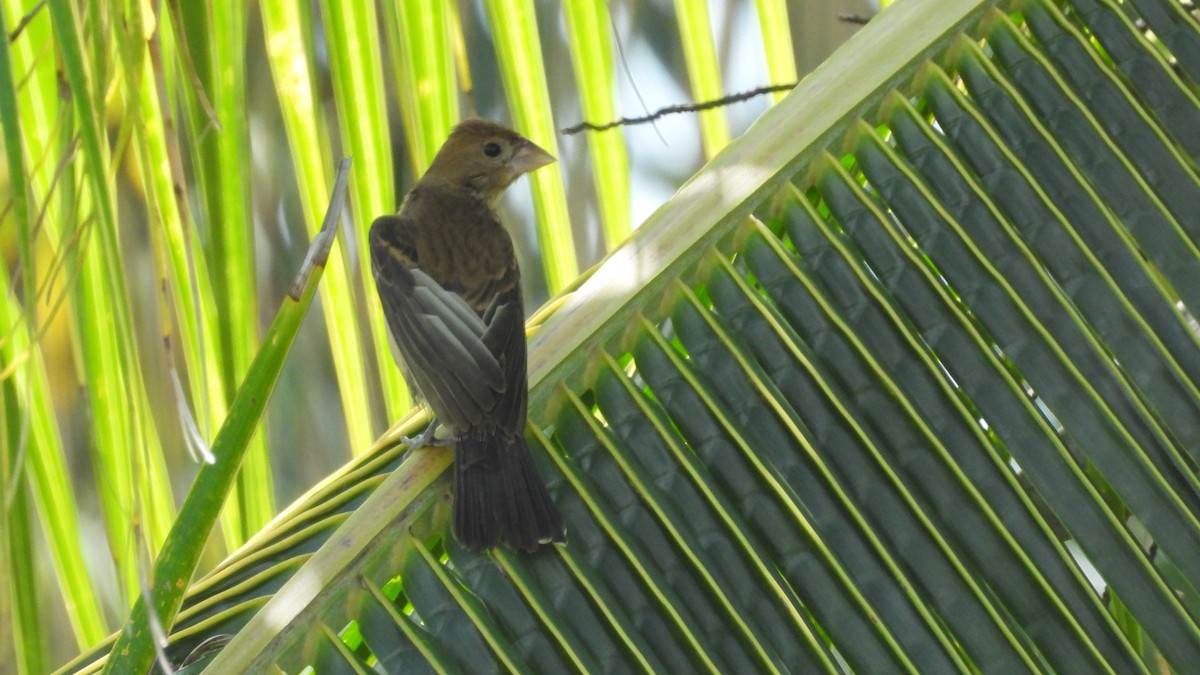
[460,243]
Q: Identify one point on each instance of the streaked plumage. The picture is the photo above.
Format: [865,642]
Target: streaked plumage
[450,288]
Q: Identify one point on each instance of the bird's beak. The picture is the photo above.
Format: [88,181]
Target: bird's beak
[529,157]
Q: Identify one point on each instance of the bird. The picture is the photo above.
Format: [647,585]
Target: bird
[450,287]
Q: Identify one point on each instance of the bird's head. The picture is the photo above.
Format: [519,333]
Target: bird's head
[485,158]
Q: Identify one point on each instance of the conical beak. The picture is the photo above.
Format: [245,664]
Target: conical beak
[529,157]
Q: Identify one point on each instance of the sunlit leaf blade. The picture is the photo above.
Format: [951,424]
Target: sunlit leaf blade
[777,42]
[589,30]
[700,54]
[179,259]
[519,56]
[128,452]
[420,41]
[19,604]
[135,648]
[289,32]
[33,471]
[356,66]
[219,127]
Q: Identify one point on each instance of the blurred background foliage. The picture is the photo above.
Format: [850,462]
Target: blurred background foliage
[166,165]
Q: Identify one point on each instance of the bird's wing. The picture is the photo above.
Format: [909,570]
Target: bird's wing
[443,341]
[505,337]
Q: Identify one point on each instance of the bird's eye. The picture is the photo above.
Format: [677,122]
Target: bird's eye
[492,149]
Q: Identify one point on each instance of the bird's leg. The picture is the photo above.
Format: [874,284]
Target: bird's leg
[427,437]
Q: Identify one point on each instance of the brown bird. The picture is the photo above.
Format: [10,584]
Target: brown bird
[451,292]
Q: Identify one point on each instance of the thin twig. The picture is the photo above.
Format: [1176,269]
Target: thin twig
[857,19]
[686,107]
[29,16]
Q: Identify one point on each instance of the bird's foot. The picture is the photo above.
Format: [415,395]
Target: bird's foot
[426,438]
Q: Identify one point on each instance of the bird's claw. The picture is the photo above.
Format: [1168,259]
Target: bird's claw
[425,438]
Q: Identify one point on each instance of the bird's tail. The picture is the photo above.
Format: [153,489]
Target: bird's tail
[499,496]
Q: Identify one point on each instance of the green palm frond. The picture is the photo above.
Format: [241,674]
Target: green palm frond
[902,381]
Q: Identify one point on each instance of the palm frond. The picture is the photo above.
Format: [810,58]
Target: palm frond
[904,380]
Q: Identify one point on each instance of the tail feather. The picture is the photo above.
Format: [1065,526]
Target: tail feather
[499,497]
